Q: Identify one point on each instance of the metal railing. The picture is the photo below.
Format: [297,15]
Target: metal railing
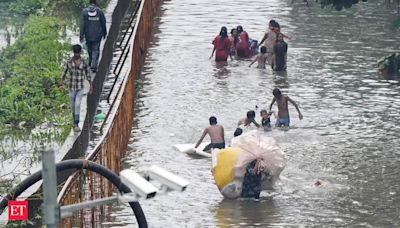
[113,143]
[125,49]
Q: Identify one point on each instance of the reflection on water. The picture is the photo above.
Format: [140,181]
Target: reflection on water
[242,213]
[280,79]
[348,137]
[221,70]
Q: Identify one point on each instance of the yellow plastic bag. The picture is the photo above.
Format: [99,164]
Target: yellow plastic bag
[225,161]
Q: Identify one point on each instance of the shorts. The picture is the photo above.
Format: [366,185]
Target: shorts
[282,121]
[214,145]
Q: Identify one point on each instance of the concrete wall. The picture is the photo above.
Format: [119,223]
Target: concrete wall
[113,143]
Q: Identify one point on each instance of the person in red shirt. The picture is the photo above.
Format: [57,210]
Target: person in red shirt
[222,46]
[234,39]
[242,46]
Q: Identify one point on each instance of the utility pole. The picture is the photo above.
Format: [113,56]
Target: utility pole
[50,208]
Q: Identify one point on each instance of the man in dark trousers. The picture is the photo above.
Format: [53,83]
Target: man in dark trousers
[93,29]
[279,59]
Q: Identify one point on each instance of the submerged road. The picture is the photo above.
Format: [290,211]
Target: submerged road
[348,137]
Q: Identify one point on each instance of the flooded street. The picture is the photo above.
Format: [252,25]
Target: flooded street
[348,137]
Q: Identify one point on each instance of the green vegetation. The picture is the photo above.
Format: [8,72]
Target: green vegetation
[49,7]
[31,68]
[26,7]
[339,4]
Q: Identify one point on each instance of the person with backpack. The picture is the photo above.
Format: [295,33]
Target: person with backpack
[222,46]
[93,29]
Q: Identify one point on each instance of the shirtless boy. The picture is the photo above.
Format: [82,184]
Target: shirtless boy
[261,58]
[216,133]
[283,111]
[250,118]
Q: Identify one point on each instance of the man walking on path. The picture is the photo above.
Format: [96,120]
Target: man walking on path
[76,69]
[283,111]
[93,29]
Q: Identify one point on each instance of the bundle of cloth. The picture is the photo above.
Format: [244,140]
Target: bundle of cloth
[253,163]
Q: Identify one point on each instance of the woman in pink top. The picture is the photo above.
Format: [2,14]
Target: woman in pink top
[242,46]
[222,46]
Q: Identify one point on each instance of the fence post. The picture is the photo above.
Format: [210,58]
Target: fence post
[51,210]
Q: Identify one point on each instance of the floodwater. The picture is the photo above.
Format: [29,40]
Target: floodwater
[10,25]
[348,137]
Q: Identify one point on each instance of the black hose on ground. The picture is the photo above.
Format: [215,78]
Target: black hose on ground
[79,164]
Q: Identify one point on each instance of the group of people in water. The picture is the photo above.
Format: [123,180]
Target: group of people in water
[274,53]
[217,133]
[240,46]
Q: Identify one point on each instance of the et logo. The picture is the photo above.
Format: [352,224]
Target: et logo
[17,210]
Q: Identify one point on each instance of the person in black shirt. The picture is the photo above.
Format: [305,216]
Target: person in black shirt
[93,29]
[280,54]
[266,119]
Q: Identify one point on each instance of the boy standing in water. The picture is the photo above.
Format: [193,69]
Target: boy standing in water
[261,58]
[216,133]
[283,111]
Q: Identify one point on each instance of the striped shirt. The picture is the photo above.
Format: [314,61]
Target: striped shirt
[76,74]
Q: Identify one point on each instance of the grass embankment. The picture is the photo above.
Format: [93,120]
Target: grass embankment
[30,67]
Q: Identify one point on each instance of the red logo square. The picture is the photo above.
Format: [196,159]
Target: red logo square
[17,210]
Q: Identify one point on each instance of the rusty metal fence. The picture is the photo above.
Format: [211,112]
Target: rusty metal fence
[82,186]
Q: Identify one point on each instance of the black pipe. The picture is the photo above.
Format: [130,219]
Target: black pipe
[79,164]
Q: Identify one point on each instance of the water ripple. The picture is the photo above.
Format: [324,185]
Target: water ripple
[349,135]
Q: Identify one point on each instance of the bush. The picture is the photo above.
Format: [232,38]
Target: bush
[26,7]
[32,68]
